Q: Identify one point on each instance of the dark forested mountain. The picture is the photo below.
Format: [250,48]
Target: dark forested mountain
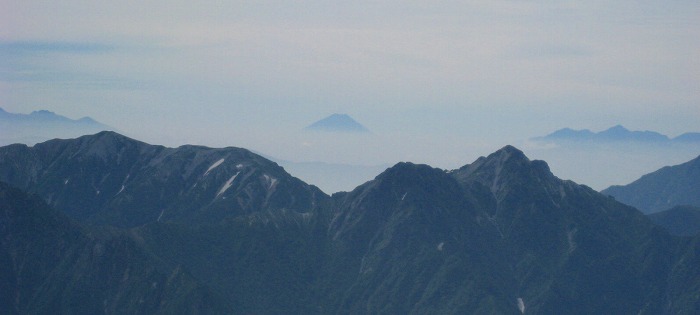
[679,220]
[500,235]
[663,189]
[51,265]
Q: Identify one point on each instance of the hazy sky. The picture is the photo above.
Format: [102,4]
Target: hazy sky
[439,82]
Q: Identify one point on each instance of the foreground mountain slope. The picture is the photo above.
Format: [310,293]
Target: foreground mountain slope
[571,249]
[660,190]
[107,178]
[262,264]
[407,242]
[51,265]
[500,235]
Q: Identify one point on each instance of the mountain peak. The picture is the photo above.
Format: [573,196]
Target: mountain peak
[41,125]
[509,149]
[44,113]
[508,161]
[617,128]
[337,123]
[111,136]
[507,154]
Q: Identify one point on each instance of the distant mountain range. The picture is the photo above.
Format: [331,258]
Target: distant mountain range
[663,189]
[43,125]
[196,230]
[337,123]
[616,134]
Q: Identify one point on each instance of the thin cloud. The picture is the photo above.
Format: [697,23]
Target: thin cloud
[30,47]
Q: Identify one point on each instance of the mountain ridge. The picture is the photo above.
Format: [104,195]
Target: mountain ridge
[616,133]
[43,125]
[185,183]
[662,189]
[500,235]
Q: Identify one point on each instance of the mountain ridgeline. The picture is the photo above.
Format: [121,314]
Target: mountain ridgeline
[501,235]
[663,189]
[110,179]
[616,134]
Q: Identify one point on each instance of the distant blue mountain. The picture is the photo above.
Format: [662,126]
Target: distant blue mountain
[688,137]
[570,134]
[44,116]
[43,125]
[615,134]
[337,123]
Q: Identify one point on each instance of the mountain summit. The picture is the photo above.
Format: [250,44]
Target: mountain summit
[337,123]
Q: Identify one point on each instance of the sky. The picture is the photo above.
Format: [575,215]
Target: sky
[436,82]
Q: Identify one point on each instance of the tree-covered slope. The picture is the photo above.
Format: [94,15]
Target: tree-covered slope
[51,265]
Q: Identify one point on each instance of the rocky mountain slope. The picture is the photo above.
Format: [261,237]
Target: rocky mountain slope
[500,235]
[110,179]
